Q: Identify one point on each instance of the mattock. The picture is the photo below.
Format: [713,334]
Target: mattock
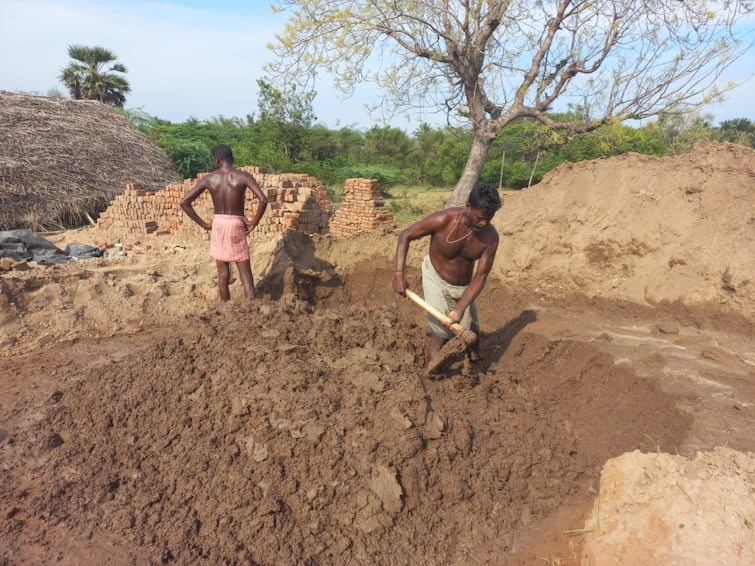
[452,348]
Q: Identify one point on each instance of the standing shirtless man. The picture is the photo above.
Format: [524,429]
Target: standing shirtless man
[229,228]
[459,237]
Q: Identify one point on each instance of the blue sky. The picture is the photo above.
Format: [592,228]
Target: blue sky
[200,58]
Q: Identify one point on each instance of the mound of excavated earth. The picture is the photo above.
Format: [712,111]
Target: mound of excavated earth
[610,420]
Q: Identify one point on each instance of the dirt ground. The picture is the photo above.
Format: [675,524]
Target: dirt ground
[610,420]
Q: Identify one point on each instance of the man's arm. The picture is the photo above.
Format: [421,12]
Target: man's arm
[187,203]
[252,185]
[419,229]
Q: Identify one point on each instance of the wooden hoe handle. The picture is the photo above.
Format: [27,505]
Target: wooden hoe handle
[457,328]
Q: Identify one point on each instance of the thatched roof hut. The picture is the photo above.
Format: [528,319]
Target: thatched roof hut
[63,159]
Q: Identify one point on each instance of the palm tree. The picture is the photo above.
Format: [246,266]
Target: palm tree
[87,76]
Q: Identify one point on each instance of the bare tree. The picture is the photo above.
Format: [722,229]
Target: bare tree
[490,62]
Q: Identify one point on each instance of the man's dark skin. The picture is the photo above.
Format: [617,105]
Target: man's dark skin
[459,237]
[227,187]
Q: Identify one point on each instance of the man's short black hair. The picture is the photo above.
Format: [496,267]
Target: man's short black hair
[222,152]
[485,197]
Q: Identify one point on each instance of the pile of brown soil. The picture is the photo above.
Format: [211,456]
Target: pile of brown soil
[143,421]
[644,229]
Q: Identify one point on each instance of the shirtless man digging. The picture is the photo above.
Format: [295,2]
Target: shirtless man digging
[459,237]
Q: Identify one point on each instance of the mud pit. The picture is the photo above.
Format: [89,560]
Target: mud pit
[144,422]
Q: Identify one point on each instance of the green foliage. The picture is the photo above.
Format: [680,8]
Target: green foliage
[88,76]
[517,174]
[528,150]
[387,145]
[282,139]
[188,146]
[283,126]
[386,175]
[190,157]
[289,108]
[140,119]
[740,131]
[680,132]
[54,93]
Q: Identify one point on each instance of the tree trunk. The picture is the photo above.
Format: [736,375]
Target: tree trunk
[477,154]
[532,174]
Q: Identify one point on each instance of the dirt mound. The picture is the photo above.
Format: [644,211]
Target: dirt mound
[269,432]
[698,528]
[63,159]
[639,228]
[143,421]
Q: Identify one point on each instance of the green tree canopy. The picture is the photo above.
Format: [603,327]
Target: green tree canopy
[283,122]
[95,74]
[738,130]
[495,61]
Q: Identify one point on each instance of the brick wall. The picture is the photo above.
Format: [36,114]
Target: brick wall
[295,201]
[363,209]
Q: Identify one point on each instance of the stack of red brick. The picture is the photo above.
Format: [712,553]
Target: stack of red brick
[295,201]
[363,209]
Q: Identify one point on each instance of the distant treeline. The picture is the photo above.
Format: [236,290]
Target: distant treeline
[432,157]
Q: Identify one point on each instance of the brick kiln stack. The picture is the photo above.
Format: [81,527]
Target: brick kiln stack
[363,209]
[295,200]
[134,212]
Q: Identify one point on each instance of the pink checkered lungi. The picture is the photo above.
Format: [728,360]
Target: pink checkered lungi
[228,238]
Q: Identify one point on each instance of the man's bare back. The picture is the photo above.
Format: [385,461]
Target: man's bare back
[227,187]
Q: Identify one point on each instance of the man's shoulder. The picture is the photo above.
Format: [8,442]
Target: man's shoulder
[207,180]
[241,175]
[211,175]
[491,234]
[443,215]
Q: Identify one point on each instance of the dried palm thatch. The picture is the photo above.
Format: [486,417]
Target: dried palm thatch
[61,160]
